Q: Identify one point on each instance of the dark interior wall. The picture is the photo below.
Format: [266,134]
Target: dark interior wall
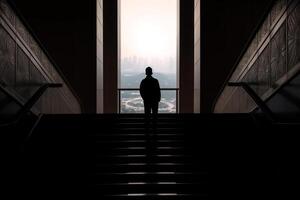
[186,60]
[226,27]
[110,55]
[68,32]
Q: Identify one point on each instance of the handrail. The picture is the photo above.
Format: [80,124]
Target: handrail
[163,89]
[259,102]
[33,128]
[244,50]
[41,45]
[2,88]
[30,103]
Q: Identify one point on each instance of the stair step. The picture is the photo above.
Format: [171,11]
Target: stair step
[138,141]
[144,156]
[145,148]
[158,187]
[149,177]
[144,130]
[139,149]
[149,167]
[106,144]
[126,160]
[142,150]
[136,136]
[143,159]
[160,196]
[141,124]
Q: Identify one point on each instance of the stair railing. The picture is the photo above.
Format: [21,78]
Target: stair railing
[25,108]
[254,96]
[120,90]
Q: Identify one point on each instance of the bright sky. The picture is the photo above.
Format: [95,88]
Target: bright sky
[149,28]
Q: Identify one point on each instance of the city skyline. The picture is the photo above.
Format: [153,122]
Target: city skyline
[136,65]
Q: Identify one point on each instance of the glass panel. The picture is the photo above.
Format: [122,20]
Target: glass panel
[131,102]
[148,34]
[148,37]
[168,102]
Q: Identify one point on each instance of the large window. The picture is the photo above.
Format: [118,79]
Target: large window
[148,34]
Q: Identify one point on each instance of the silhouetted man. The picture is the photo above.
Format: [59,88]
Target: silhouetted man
[150,92]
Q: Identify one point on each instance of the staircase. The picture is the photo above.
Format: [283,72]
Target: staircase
[136,162]
[118,157]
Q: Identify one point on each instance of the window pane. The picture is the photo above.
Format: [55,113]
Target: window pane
[148,37]
[148,34]
[131,102]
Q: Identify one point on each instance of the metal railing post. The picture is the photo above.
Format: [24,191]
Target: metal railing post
[25,108]
[259,102]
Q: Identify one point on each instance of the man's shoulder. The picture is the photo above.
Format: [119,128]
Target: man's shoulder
[150,79]
[154,79]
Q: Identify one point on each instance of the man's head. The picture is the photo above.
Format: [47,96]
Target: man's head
[149,71]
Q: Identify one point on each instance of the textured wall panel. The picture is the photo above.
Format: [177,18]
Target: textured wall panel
[7,57]
[22,69]
[264,30]
[21,30]
[263,76]
[9,14]
[278,55]
[278,52]
[23,75]
[25,64]
[2,49]
[243,99]
[35,75]
[294,38]
[277,9]
[252,79]
[235,103]
[34,46]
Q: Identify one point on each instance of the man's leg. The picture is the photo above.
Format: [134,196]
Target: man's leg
[147,108]
[155,113]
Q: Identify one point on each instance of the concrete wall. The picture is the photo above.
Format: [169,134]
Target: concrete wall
[271,59]
[67,30]
[24,65]
[197,70]
[226,27]
[186,57]
[110,55]
[100,108]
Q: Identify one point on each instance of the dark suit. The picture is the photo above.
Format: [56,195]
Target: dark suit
[150,92]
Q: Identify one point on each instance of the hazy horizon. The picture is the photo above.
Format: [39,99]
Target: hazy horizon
[148,33]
